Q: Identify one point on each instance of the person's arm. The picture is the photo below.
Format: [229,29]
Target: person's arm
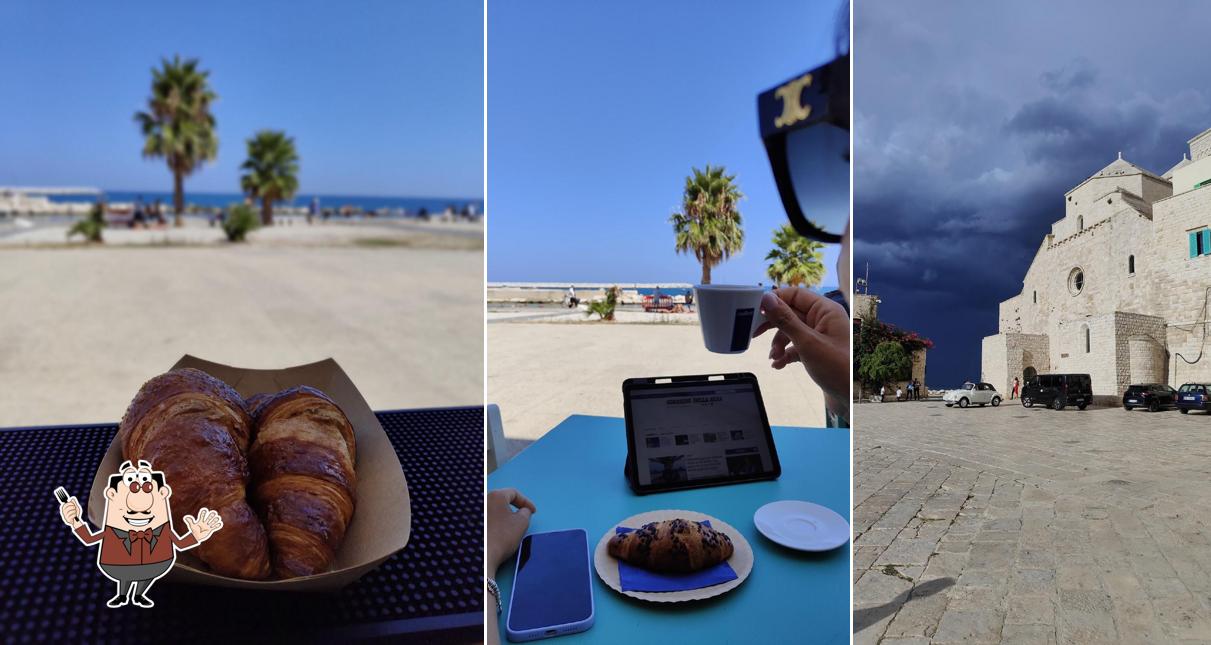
[182,543]
[86,534]
[200,529]
[812,330]
[505,528]
[70,512]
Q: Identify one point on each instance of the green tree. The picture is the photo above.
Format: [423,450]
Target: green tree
[239,222]
[271,170]
[92,224]
[178,125]
[605,308]
[709,224]
[888,362]
[795,260]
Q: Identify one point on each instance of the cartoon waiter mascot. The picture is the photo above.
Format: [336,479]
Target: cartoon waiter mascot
[138,545]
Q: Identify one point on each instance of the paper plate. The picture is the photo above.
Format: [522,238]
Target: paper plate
[382,520]
[802,525]
[741,560]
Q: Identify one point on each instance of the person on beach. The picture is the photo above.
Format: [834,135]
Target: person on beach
[138,218]
[573,301]
[1013,394]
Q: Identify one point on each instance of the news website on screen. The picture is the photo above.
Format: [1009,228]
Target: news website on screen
[704,432]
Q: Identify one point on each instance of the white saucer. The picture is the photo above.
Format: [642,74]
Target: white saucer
[802,525]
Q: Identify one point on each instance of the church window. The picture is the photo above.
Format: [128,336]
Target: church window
[1200,243]
[1080,222]
[1036,297]
[1131,264]
[1087,339]
[1076,281]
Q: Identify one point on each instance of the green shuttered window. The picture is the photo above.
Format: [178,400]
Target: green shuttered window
[1200,243]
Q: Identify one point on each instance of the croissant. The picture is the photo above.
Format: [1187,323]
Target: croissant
[302,462]
[195,429]
[672,546]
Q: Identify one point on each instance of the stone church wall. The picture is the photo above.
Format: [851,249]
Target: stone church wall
[1144,300]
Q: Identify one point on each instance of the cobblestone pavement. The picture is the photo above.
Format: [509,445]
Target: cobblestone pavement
[1014,525]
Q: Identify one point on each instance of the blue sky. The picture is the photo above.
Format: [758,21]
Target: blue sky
[383,98]
[597,112]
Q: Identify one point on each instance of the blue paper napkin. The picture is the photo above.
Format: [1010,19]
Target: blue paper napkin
[634,578]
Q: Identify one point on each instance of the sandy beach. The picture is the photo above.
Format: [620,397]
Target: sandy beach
[541,372]
[84,327]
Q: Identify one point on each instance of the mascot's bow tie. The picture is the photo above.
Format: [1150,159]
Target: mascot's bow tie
[140,535]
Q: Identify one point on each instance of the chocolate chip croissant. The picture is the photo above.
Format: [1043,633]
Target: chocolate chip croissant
[672,546]
[302,461]
[196,429]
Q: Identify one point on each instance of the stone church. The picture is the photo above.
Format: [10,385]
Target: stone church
[1119,288]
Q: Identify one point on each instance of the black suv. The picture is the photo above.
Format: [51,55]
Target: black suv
[1058,390]
[1154,396]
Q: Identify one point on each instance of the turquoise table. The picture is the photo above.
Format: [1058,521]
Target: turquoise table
[574,475]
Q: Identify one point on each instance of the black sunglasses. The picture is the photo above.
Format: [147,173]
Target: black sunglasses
[805,126]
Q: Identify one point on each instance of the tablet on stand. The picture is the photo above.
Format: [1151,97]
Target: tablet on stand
[694,431]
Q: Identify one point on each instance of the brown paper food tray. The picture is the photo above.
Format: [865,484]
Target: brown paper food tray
[741,560]
[382,516]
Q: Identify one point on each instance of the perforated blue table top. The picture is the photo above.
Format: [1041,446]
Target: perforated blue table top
[574,476]
[432,590]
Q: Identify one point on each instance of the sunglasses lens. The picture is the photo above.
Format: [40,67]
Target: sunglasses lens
[818,160]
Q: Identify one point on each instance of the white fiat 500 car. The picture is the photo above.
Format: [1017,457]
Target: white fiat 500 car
[980,394]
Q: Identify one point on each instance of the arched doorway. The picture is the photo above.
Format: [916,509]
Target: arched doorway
[1029,373]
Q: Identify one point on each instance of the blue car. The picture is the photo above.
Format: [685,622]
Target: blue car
[1193,396]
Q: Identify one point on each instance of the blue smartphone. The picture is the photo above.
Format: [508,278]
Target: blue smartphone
[553,587]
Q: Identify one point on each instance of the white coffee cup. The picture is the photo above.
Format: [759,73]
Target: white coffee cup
[729,314]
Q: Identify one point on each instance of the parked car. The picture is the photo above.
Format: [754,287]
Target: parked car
[1153,396]
[1194,396]
[1058,390]
[980,394]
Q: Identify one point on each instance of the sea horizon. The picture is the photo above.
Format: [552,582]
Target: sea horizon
[644,287]
[301,200]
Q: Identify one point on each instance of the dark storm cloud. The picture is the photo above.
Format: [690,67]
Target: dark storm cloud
[971,122]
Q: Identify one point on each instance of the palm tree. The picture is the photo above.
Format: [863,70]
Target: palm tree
[271,170]
[92,225]
[795,260]
[178,125]
[605,308]
[709,224]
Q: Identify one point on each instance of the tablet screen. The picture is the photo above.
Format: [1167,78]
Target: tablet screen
[706,431]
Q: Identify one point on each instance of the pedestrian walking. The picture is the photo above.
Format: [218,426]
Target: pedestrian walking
[910,390]
[1013,394]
